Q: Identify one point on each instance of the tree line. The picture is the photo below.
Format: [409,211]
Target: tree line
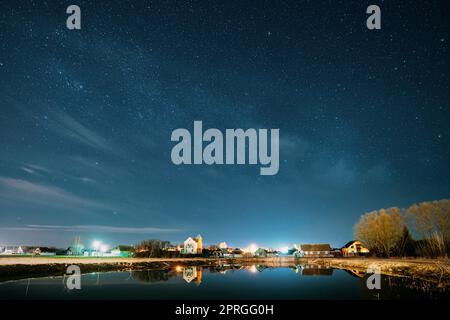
[389,232]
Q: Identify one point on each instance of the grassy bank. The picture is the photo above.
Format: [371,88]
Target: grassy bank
[435,270]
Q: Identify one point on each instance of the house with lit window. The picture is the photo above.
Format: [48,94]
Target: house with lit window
[320,250]
[354,248]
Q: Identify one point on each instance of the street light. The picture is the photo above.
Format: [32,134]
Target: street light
[96,245]
[103,248]
[252,248]
[284,250]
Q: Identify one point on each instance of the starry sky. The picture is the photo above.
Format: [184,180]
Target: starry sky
[86,117]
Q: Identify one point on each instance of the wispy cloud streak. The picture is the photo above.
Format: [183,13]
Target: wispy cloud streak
[34,193]
[70,128]
[91,228]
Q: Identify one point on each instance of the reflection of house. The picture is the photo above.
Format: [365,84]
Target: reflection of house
[193,245]
[315,250]
[354,248]
[355,273]
[316,270]
[192,273]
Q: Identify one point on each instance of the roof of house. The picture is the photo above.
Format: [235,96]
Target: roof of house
[348,244]
[315,247]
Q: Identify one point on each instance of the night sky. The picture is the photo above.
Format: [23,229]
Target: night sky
[86,117]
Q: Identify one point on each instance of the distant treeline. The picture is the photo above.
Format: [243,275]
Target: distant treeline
[389,232]
[154,248]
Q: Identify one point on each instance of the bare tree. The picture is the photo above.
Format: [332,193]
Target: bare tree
[381,230]
[431,220]
[151,248]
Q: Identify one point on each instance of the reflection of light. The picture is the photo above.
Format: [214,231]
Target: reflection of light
[253,269]
[103,248]
[178,269]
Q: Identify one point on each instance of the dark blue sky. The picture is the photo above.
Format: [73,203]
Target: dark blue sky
[86,117]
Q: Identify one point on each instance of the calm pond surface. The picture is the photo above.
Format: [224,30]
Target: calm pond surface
[224,282]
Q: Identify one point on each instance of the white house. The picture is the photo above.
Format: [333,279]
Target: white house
[190,246]
[193,245]
[223,245]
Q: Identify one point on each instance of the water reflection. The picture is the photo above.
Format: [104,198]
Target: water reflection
[151,275]
[306,281]
[355,273]
[194,273]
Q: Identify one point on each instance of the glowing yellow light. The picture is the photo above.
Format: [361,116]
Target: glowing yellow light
[178,269]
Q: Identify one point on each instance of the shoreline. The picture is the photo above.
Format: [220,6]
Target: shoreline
[15,268]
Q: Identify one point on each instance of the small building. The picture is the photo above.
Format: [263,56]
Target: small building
[223,245]
[336,252]
[193,245]
[122,251]
[354,248]
[320,250]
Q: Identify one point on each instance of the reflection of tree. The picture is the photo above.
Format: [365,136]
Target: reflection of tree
[404,288]
[151,275]
[261,267]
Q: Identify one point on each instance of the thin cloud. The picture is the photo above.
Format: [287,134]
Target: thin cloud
[29,192]
[91,228]
[28,170]
[70,128]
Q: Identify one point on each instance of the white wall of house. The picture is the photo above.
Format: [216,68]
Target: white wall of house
[190,246]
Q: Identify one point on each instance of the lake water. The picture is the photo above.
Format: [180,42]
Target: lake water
[224,282]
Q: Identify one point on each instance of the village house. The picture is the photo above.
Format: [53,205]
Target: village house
[354,248]
[321,250]
[9,250]
[122,251]
[193,245]
[223,245]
